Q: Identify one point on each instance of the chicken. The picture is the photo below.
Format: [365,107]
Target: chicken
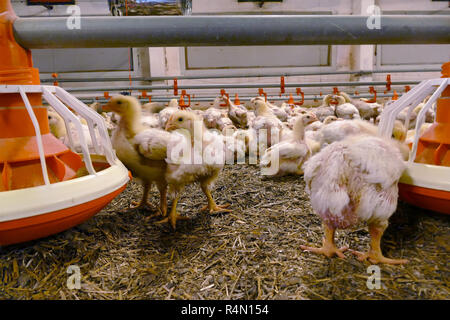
[325,110]
[165,113]
[251,116]
[150,119]
[412,132]
[339,130]
[293,110]
[224,122]
[153,107]
[330,119]
[399,131]
[314,126]
[142,150]
[288,156]
[351,181]
[58,129]
[237,114]
[366,110]
[249,138]
[345,110]
[314,137]
[212,116]
[266,124]
[236,144]
[278,112]
[56,124]
[429,115]
[411,121]
[205,170]
[308,119]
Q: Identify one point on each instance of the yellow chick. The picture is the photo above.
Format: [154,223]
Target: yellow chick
[142,150]
[205,170]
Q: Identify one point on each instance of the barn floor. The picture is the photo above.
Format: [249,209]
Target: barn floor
[252,253]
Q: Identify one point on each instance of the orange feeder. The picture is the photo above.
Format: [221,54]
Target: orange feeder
[426,182]
[46,187]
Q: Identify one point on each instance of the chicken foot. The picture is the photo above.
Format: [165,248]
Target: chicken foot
[212,206]
[374,255]
[328,247]
[174,216]
[144,201]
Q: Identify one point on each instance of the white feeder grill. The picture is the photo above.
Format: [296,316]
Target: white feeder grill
[61,195]
[419,174]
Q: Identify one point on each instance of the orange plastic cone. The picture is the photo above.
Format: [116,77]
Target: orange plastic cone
[19,157]
[434,144]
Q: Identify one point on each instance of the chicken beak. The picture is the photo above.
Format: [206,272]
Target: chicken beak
[170,127]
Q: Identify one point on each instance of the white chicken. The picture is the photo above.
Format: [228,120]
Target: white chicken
[325,110]
[288,156]
[293,110]
[165,113]
[58,129]
[142,150]
[351,181]
[429,114]
[237,114]
[212,116]
[314,137]
[266,124]
[149,118]
[367,111]
[189,170]
[339,130]
[408,122]
[344,109]
[278,112]
[223,123]
[152,107]
[412,132]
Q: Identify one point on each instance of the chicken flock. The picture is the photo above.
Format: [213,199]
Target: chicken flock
[351,172]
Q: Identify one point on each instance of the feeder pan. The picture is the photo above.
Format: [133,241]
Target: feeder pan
[46,187]
[426,180]
[69,188]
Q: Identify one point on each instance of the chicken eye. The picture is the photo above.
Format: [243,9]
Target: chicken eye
[180,119]
[119,102]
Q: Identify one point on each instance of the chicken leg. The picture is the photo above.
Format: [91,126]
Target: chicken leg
[162,210]
[374,255]
[328,247]
[212,206]
[163,200]
[144,201]
[173,215]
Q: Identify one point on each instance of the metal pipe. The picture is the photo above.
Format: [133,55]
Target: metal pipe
[239,75]
[170,31]
[244,85]
[242,98]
